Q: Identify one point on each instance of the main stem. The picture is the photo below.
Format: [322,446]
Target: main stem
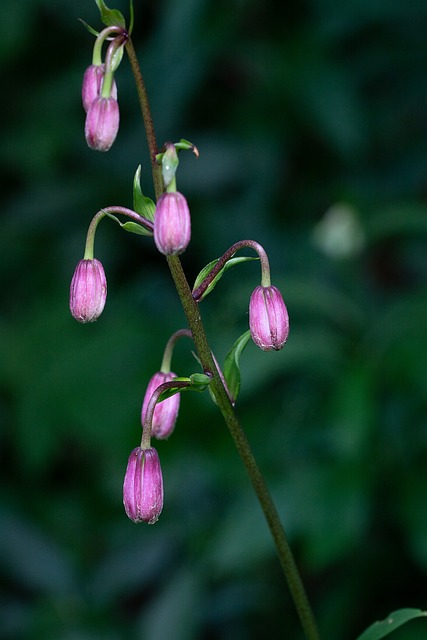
[194,320]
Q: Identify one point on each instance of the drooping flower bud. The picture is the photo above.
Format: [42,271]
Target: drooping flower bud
[92,85]
[165,412]
[88,291]
[172,224]
[143,486]
[102,123]
[268,318]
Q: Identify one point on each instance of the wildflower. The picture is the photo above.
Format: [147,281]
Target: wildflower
[268,318]
[102,123]
[143,486]
[172,224]
[165,412]
[88,291]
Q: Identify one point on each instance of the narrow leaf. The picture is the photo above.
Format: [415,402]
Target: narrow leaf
[231,365]
[110,17]
[382,628]
[89,28]
[132,227]
[142,204]
[204,273]
[208,268]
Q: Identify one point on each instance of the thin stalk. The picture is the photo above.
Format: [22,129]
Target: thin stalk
[194,320]
[168,351]
[148,420]
[222,261]
[90,236]
[146,116]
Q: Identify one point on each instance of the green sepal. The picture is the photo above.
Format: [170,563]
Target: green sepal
[231,368]
[142,204]
[208,268]
[382,628]
[131,227]
[110,17]
[91,30]
[197,382]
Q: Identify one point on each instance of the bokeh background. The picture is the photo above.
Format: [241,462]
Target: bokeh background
[311,121]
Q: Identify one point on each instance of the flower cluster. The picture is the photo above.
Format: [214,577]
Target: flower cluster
[168,223]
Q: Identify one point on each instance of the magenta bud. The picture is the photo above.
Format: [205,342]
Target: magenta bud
[88,291]
[143,486]
[172,224]
[268,318]
[102,123]
[92,85]
[165,412]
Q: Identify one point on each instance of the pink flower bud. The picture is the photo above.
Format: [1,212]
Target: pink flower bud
[268,318]
[172,224]
[102,123]
[92,85]
[165,412]
[143,486]
[88,291]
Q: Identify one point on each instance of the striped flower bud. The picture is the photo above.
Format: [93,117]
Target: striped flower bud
[88,291]
[268,318]
[102,123]
[172,224]
[165,412]
[143,486]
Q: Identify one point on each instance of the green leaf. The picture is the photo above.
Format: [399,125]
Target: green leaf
[142,204]
[91,30]
[208,268]
[231,365]
[382,628]
[134,227]
[131,227]
[110,17]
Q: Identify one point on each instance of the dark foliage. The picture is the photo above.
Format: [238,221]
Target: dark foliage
[311,121]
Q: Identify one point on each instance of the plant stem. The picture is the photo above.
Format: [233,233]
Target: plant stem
[148,420]
[146,116]
[168,351]
[90,236]
[194,320]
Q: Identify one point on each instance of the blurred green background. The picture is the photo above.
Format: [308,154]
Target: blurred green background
[311,121]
